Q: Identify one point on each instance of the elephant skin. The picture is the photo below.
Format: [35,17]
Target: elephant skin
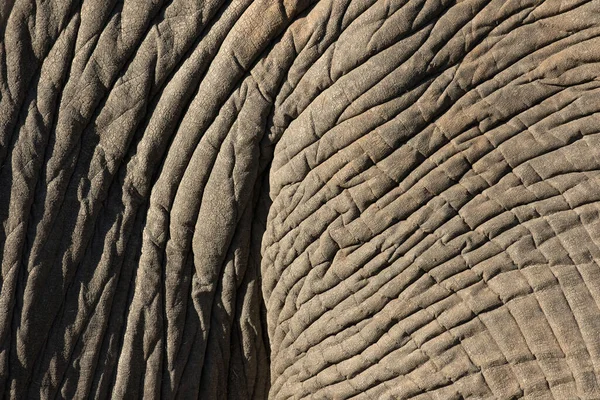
[378,199]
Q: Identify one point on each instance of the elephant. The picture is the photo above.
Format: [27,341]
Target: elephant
[286,199]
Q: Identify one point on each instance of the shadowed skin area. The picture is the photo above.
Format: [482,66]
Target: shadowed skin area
[300,199]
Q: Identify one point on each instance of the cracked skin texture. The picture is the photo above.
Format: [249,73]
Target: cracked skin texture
[300,199]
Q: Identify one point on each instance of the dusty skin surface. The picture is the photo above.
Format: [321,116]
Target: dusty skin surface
[294,199]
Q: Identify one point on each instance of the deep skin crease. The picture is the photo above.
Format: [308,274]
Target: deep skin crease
[299,199]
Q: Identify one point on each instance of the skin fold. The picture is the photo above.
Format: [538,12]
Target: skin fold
[293,199]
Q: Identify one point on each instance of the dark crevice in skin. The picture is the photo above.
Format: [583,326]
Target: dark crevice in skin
[496,123]
[250,68]
[498,305]
[28,98]
[206,333]
[232,246]
[428,75]
[127,270]
[32,68]
[187,102]
[293,266]
[58,102]
[329,44]
[15,304]
[113,182]
[66,284]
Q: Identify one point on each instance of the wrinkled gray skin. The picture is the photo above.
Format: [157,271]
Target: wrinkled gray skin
[289,199]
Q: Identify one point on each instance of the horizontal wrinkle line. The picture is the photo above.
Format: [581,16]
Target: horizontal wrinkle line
[325,183]
[458,255]
[568,9]
[458,179]
[391,226]
[466,92]
[446,329]
[341,112]
[481,193]
[484,279]
[385,122]
[372,131]
[416,50]
[375,343]
[370,297]
[455,342]
[394,375]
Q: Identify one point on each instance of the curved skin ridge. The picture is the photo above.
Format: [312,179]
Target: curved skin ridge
[329,199]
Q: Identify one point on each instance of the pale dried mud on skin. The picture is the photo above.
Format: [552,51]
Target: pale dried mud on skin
[300,199]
